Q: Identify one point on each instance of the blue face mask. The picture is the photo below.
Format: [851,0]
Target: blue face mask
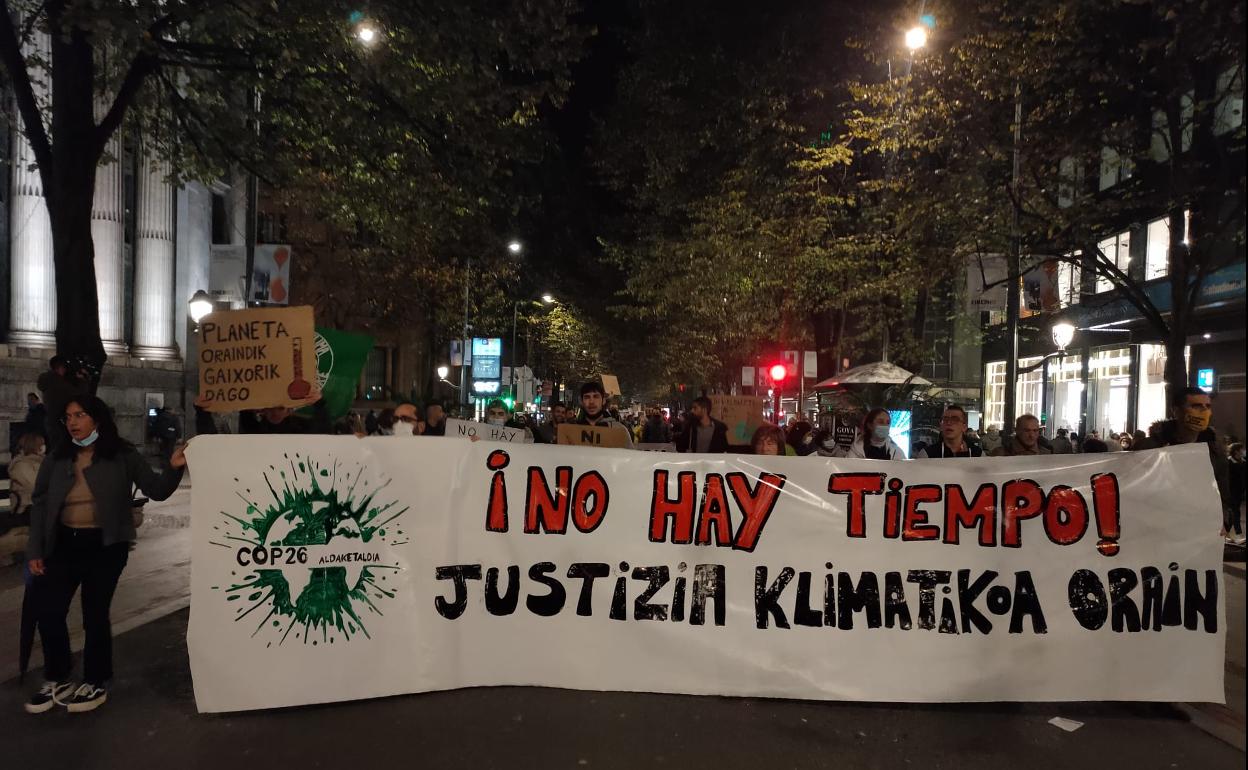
[89,440]
[879,432]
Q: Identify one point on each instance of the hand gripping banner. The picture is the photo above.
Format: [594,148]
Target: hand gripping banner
[335,568]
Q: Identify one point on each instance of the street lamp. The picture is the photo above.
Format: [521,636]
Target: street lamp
[515,247]
[199,305]
[366,33]
[1063,334]
[443,371]
[548,298]
[916,38]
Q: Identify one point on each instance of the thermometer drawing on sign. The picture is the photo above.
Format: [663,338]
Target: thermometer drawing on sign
[299,388]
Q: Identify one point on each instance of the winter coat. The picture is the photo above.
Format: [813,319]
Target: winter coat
[111,481]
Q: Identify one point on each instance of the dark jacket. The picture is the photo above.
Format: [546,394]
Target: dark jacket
[656,431]
[110,481]
[689,439]
[56,392]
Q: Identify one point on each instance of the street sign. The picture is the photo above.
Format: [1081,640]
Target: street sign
[790,364]
[810,364]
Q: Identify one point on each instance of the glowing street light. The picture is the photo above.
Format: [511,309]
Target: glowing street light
[443,371]
[200,305]
[1063,334]
[916,38]
[515,247]
[366,34]
[548,298]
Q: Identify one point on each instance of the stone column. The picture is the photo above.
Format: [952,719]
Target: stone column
[32,310]
[107,235]
[153,264]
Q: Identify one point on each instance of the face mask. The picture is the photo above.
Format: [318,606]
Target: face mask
[880,432]
[1197,421]
[89,440]
[496,421]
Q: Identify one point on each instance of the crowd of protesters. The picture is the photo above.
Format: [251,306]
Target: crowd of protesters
[78,501]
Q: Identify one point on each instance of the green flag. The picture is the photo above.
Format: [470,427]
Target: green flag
[340,358]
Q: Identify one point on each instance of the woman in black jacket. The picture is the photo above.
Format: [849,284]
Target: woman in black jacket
[81,531]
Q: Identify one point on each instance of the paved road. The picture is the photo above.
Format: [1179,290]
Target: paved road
[151,720]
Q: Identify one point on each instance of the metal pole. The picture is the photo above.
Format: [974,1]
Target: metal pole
[1013,297]
[464,345]
[253,203]
[515,311]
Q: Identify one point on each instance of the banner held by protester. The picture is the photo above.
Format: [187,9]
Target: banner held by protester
[428,564]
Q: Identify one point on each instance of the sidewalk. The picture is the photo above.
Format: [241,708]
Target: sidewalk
[156,582]
[1228,722]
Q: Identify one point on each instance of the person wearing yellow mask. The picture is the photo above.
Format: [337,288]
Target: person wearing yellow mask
[1191,410]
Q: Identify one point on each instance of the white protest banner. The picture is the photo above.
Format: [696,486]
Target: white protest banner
[335,568]
[483,431]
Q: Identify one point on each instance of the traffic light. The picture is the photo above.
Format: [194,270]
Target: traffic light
[510,402]
[778,373]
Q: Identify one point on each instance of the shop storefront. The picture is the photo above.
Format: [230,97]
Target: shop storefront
[1124,385]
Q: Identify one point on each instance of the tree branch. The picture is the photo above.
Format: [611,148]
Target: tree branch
[24,92]
[142,67]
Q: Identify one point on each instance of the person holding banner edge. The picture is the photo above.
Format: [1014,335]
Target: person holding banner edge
[81,530]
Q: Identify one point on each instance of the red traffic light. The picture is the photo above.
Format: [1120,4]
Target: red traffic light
[777,372]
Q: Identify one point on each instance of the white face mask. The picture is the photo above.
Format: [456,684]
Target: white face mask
[496,421]
[879,432]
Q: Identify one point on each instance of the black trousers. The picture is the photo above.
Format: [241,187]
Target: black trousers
[80,559]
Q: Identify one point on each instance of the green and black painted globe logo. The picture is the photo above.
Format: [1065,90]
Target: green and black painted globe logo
[313,561]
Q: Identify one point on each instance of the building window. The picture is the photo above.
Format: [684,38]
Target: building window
[1151,404]
[220,220]
[1029,390]
[1065,388]
[1109,386]
[375,381]
[1229,114]
[1157,253]
[1116,251]
[1069,278]
[1114,168]
[994,393]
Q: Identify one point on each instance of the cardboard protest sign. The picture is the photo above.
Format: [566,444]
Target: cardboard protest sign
[1071,577]
[654,447]
[611,384]
[252,359]
[742,414]
[589,435]
[483,431]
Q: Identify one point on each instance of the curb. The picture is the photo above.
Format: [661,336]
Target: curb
[1216,720]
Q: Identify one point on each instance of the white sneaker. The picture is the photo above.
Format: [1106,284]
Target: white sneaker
[87,697]
[1239,540]
[48,696]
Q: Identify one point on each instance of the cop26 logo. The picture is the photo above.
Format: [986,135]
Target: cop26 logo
[312,552]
